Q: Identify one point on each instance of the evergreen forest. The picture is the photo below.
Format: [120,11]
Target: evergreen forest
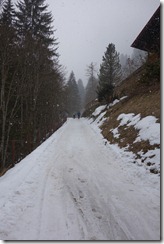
[35,96]
[32,90]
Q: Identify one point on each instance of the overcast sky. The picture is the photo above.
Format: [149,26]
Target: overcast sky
[84,29]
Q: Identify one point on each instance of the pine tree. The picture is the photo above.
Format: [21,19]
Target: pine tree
[91,87]
[81,90]
[31,82]
[33,19]
[73,97]
[39,60]
[109,73]
[10,84]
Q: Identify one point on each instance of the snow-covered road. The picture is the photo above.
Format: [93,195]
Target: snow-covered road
[73,187]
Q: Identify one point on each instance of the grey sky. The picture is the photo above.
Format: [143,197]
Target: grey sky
[84,29]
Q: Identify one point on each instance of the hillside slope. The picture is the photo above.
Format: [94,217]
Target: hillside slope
[141,102]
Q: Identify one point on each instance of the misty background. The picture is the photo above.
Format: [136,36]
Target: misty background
[43,72]
[84,29]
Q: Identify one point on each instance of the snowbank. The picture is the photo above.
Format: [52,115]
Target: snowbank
[98,110]
[116,101]
[147,128]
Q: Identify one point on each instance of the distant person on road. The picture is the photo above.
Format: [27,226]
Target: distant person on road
[74,116]
[78,115]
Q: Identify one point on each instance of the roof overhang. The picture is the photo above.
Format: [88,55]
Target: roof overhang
[149,38]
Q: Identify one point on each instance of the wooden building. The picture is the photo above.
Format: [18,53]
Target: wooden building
[149,38]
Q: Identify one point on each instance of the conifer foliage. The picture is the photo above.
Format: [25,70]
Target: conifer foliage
[109,73]
[81,90]
[73,96]
[91,85]
[31,81]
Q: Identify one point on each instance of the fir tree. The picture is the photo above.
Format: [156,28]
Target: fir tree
[33,24]
[73,97]
[81,90]
[33,19]
[91,87]
[109,73]
[31,83]
[10,85]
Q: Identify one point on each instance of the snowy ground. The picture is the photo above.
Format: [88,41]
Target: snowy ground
[74,187]
[148,130]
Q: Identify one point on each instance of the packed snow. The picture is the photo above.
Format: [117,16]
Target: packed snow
[76,186]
